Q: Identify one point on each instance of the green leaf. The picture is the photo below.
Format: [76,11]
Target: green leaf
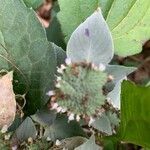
[44,117]
[119,73]
[60,54]
[25,130]
[106,122]
[89,145]
[54,33]
[26,51]
[130,29]
[61,129]
[105,6]
[72,143]
[33,3]
[103,124]
[16,123]
[135,114]
[91,41]
[73,13]
[114,95]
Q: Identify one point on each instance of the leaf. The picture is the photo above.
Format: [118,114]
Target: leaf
[72,143]
[115,94]
[54,33]
[106,122]
[105,5]
[16,123]
[60,54]
[89,145]
[91,41]
[119,72]
[26,130]
[33,3]
[7,100]
[103,124]
[44,117]
[135,114]
[61,129]
[130,29]
[77,11]
[27,52]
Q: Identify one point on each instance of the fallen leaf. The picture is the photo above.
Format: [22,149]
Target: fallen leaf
[7,100]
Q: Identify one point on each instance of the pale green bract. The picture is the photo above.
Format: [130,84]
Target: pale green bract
[91,41]
[26,130]
[89,145]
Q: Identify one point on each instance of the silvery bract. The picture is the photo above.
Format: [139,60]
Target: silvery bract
[91,41]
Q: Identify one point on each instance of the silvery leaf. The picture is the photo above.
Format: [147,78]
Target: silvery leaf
[114,95]
[89,145]
[103,124]
[119,72]
[91,41]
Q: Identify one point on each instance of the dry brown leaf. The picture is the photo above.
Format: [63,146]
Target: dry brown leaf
[7,100]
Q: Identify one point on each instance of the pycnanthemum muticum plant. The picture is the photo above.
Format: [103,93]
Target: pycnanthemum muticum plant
[82,90]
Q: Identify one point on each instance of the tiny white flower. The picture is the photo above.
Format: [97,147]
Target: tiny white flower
[108,99]
[48,139]
[59,70]
[110,77]
[58,85]
[58,78]
[94,67]
[58,143]
[101,112]
[65,148]
[30,140]
[7,137]
[68,61]
[59,109]
[4,129]
[50,93]
[71,117]
[78,118]
[55,105]
[102,67]
[63,67]
[15,147]
[91,121]
[64,110]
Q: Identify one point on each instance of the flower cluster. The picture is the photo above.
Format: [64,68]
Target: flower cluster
[80,90]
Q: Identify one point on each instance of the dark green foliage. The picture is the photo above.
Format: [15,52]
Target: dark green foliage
[24,48]
[61,129]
